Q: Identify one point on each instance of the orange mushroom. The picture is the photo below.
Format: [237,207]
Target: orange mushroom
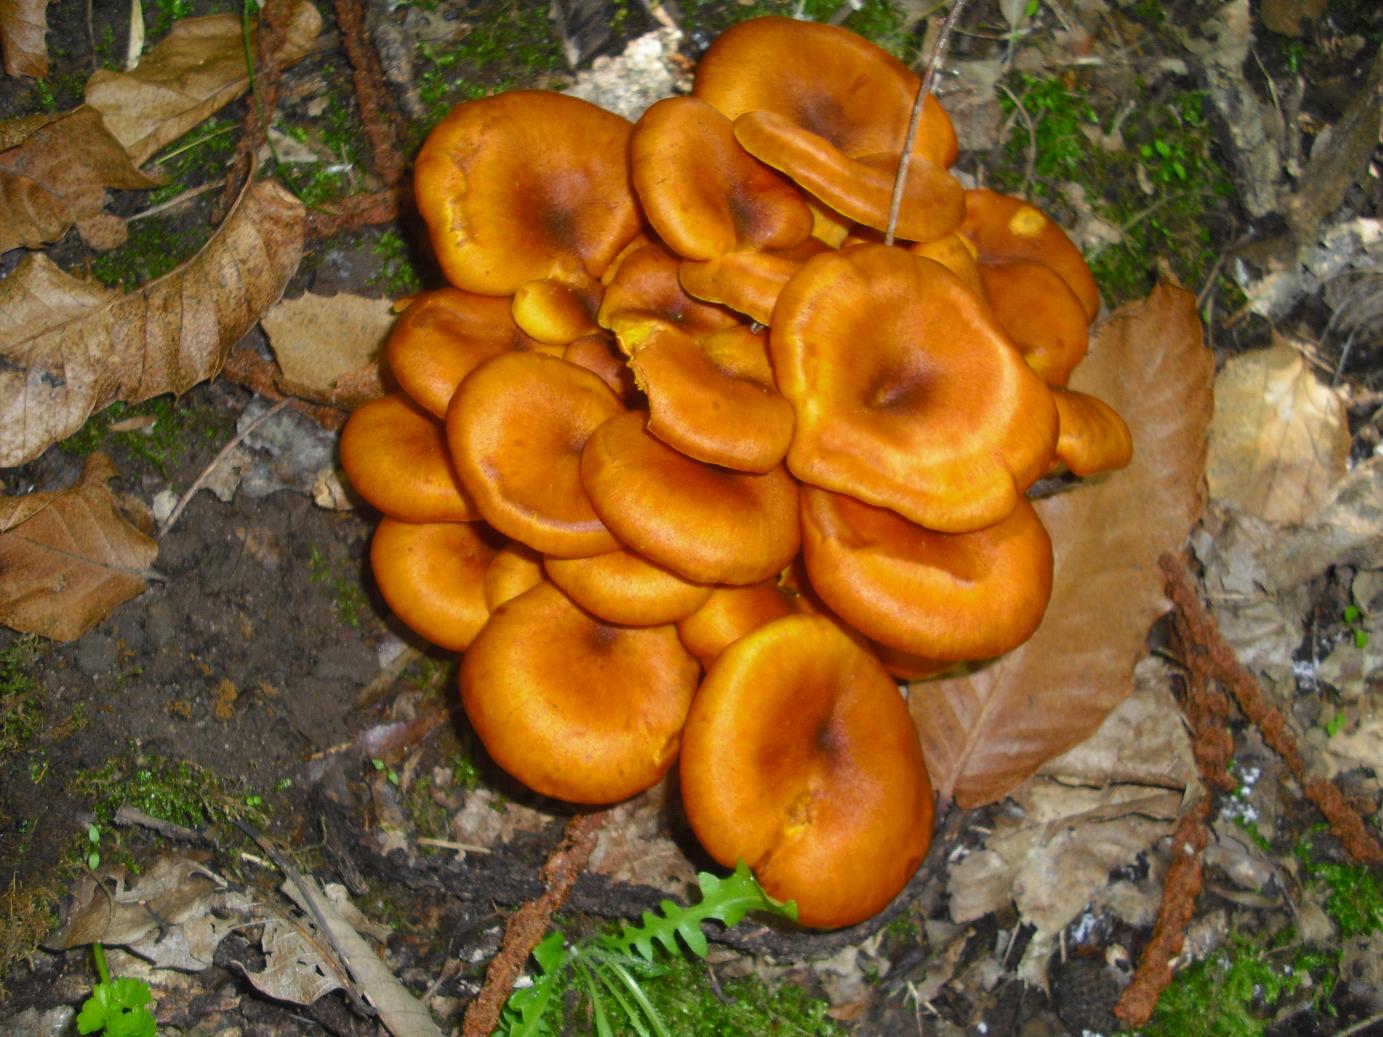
[908,394]
[1093,437]
[557,312]
[432,576]
[395,456]
[514,569]
[526,185]
[702,192]
[443,335]
[575,708]
[747,282]
[799,758]
[624,587]
[646,286]
[728,614]
[937,595]
[516,427]
[1041,313]
[708,524]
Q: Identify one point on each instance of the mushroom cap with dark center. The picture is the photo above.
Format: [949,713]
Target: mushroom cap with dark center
[395,456]
[702,410]
[938,595]
[441,336]
[702,192]
[432,576]
[907,391]
[516,428]
[1004,227]
[799,758]
[624,587]
[826,79]
[575,708]
[859,188]
[524,185]
[708,524]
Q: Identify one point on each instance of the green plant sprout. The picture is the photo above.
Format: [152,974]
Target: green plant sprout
[116,1008]
[610,969]
[93,838]
[389,773]
[1354,623]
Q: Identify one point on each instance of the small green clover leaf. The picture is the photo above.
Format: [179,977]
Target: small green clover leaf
[118,1009]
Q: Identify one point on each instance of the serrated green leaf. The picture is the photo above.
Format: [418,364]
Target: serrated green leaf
[525,1010]
[92,1017]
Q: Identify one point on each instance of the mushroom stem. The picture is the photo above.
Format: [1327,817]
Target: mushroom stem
[943,36]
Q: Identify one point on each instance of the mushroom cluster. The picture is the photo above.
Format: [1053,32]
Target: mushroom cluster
[687,461]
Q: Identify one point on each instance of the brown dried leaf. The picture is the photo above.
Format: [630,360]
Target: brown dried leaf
[196,70]
[328,346]
[57,175]
[985,732]
[69,347]
[1279,440]
[23,25]
[68,558]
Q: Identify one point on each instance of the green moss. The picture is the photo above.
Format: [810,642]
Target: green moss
[349,603]
[1156,189]
[195,158]
[162,443]
[21,713]
[161,14]
[171,790]
[397,276]
[1354,893]
[155,246]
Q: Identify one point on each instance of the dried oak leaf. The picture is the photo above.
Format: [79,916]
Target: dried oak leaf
[69,347]
[23,25]
[328,346]
[68,558]
[987,731]
[197,69]
[56,174]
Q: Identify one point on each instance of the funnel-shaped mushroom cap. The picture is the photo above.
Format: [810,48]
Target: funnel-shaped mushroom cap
[432,575]
[443,335]
[730,613]
[395,456]
[1094,438]
[646,286]
[908,393]
[938,595]
[1041,313]
[702,192]
[799,758]
[860,189]
[1004,227]
[826,79]
[702,410]
[624,587]
[708,524]
[525,185]
[516,427]
[514,569]
[581,710]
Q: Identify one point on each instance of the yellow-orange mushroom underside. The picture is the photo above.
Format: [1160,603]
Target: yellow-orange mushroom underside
[799,757]
[575,708]
[432,576]
[526,185]
[708,524]
[516,427]
[908,393]
[937,595]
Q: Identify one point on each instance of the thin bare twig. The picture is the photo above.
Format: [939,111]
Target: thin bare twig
[895,203]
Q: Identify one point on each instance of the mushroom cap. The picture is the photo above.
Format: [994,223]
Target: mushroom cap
[514,569]
[432,576]
[575,708]
[516,427]
[1004,227]
[826,79]
[728,614]
[956,253]
[599,355]
[859,188]
[1041,313]
[908,393]
[1094,438]
[799,757]
[747,282]
[704,411]
[557,312]
[646,285]
[441,336]
[702,192]
[395,456]
[624,587]
[708,524]
[944,596]
[525,185]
